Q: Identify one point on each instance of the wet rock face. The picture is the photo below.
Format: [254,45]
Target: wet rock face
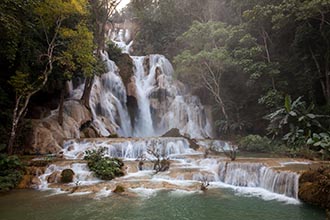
[125,65]
[314,187]
[47,135]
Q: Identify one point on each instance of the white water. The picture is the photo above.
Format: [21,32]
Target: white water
[163,103]
[129,149]
[144,84]
[258,175]
[83,176]
[188,167]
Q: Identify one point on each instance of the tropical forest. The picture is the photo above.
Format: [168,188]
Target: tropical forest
[159,109]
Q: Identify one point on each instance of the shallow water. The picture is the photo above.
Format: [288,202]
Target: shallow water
[214,204]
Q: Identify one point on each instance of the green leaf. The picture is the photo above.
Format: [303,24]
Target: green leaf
[312,116]
[293,114]
[287,103]
[310,141]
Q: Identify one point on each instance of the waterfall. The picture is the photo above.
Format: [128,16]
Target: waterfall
[108,102]
[163,103]
[130,149]
[258,175]
[144,84]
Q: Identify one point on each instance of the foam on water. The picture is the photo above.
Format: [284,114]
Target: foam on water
[144,192]
[80,193]
[256,192]
[179,192]
[103,193]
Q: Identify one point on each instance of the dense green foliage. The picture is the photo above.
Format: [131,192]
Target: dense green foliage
[11,172]
[104,168]
[43,44]
[244,58]
[255,143]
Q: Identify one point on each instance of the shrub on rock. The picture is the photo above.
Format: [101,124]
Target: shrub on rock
[104,168]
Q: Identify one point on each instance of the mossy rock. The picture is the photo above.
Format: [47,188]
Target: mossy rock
[314,187]
[119,189]
[67,176]
[125,65]
[113,135]
[309,176]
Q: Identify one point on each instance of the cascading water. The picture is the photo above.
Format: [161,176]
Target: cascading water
[130,149]
[144,84]
[108,102]
[163,103]
[258,175]
[187,166]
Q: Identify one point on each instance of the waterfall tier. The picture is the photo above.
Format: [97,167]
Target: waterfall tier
[258,175]
[128,149]
[187,166]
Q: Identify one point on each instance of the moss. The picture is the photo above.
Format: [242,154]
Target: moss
[119,189]
[113,135]
[67,176]
[125,65]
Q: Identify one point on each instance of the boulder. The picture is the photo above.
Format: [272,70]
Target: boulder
[48,135]
[119,189]
[125,65]
[131,89]
[25,182]
[54,177]
[174,132]
[67,176]
[314,187]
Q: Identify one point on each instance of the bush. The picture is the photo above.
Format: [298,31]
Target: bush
[104,168]
[255,143]
[114,51]
[11,172]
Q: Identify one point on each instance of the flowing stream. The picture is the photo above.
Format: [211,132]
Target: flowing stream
[188,169]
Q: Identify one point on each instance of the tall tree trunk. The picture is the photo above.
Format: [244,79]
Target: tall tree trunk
[87,91]
[23,99]
[213,85]
[327,57]
[61,107]
[12,137]
[265,38]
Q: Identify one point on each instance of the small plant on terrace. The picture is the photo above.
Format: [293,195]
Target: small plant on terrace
[104,168]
